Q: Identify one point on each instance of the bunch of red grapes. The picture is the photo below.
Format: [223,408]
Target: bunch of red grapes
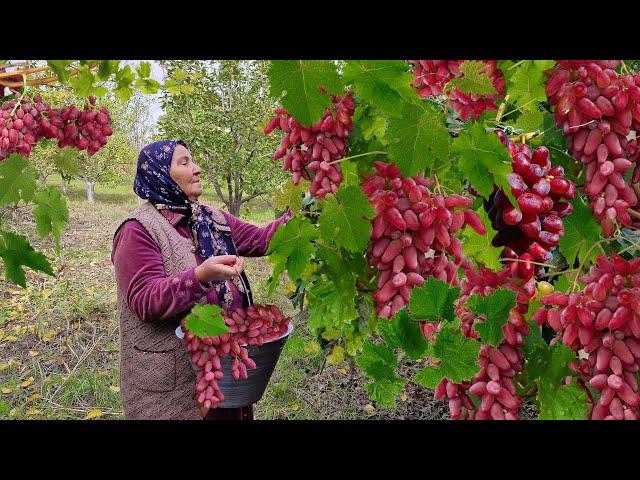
[530,232]
[598,108]
[494,384]
[308,152]
[26,123]
[431,76]
[254,325]
[412,235]
[602,323]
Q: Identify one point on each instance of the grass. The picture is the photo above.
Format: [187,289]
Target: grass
[59,336]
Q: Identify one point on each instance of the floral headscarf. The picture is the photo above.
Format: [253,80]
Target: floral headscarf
[154,183]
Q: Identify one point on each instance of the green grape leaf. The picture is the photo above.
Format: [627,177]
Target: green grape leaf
[290,195]
[474,79]
[59,67]
[527,84]
[301,79]
[483,160]
[206,321]
[291,245]
[429,377]
[402,332]
[478,246]
[433,300]
[148,85]
[331,305]
[17,180]
[533,340]
[418,140]
[51,214]
[100,92]
[82,83]
[123,93]
[125,76]
[581,231]
[344,219]
[377,361]
[143,69]
[374,127]
[458,357]
[350,174]
[384,392]
[505,68]
[495,308]
[548,367]
[530,121]
[568,402]
[16,253]
[381,83]
[107,68]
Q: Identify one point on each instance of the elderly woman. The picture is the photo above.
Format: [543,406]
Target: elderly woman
[169,254]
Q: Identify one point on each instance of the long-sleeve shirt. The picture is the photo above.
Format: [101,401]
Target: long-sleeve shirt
[140,275]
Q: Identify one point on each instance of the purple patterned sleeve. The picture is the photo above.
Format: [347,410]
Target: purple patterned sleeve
[140,275]
[250,240]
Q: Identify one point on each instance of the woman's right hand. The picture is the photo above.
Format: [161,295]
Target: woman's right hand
[220,267]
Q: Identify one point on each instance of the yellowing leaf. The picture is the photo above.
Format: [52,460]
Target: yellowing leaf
[94,413]
[295,407]
[342,371]
[369,408]
[5,390]
[33,396]
[404,397]
[27,382]
[90,290]
[336,356]
[114,389]
[48,335]
[33,411]
[46,292]
[102,373]
[311,348]
[33,353]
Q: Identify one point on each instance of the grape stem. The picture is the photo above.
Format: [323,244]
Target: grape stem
[501,109]
[526,261]
[24,92]
[356,156]
[584,260]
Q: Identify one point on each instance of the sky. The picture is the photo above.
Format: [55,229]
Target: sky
[157,74]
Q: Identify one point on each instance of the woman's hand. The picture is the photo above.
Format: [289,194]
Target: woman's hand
[221,267]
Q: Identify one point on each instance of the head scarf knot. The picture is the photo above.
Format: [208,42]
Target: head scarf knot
[154,183]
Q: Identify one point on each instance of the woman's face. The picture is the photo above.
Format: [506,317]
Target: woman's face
[185,172]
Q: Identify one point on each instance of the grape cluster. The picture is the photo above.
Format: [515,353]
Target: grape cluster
[494,383]
[412,234]
[598,109]
[26,123]
[431,76]
[310,150]
[602,324]
[254,325]
[532,230]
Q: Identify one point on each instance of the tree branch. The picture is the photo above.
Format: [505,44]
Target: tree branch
[254,195]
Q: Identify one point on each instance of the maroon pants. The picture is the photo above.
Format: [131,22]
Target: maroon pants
[243,413]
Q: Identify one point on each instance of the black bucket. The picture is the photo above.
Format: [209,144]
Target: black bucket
[247,391]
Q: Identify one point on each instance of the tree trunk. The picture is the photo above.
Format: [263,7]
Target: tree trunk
[234,208]
[90,196]
[64,185]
